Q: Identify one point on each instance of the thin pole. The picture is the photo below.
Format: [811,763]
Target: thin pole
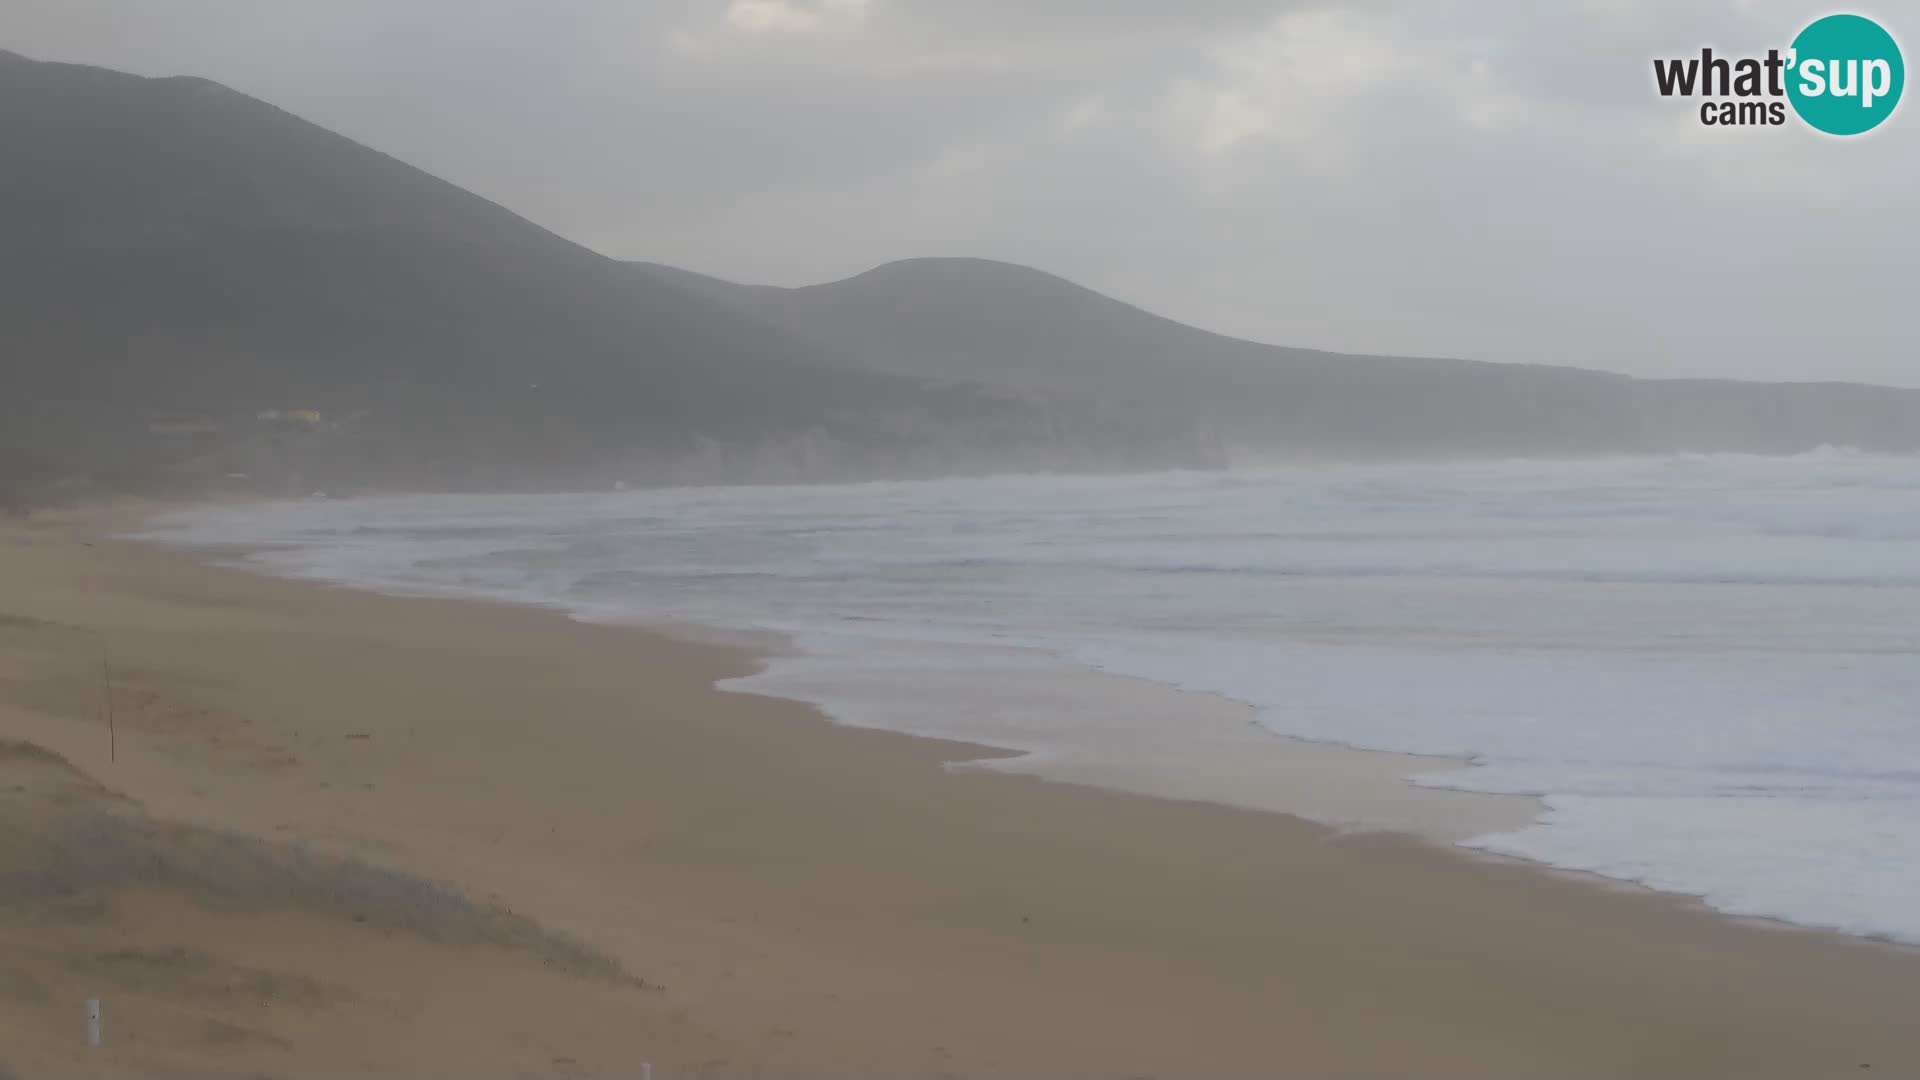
[106,686]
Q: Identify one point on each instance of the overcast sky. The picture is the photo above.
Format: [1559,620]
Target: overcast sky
[1486,179]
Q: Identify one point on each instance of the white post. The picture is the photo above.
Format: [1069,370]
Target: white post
[646,1070]
[93,1021]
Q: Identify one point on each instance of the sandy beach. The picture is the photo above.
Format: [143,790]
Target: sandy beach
[335,833]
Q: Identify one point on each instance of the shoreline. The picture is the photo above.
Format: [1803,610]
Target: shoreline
[1376,768]
[1390,802]
[1226,756]
[816,898]
[764,647]
[1216,753]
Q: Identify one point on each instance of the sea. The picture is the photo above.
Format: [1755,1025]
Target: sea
[1699,674]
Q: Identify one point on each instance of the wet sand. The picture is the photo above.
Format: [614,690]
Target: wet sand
[1055,721]
[780,895]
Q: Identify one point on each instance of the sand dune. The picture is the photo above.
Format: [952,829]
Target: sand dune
[216,953]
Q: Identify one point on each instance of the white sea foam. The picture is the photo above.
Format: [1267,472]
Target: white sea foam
[1707,667]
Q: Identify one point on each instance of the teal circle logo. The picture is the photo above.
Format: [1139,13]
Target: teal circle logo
[1845,74]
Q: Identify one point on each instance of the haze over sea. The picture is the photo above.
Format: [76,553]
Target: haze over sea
[1707,668]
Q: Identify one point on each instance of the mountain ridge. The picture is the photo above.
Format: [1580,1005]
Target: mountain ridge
[718,286]
[1025,330]
[183,267]
[181,259]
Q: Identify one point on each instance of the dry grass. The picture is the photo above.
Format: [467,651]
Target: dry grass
[67,846]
